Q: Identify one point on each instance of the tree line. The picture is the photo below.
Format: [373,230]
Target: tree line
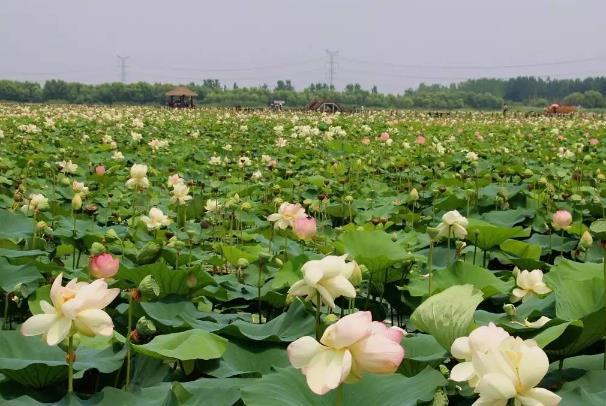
[473,94]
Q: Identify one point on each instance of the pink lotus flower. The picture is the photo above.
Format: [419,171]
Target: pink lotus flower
[561,220]
[286,215]
[384,137]
[421,139]
[594,141]
[347,349]
[100,170]
[103,265]
[365,140]
[305,228]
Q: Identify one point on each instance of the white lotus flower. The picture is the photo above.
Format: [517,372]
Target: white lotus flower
[180,194]
[76,306]
[453,223]
[328,277]
[481,340]
[156,219]
[68,166]
[212,205]
[529,284]
[36,201]
[138,177]
[512,371]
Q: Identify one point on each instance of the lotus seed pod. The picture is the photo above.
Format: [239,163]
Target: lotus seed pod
[149,287]
[145,327]
[509,309]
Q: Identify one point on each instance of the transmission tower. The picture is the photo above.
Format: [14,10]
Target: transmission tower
[123,67]
[332,65]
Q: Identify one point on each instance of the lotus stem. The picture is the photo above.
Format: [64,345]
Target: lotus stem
[339,398]
[318,304]
[71,356]
[429,267]
[128,339]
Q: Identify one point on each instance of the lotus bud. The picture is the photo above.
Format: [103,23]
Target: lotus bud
[349,198]
[432,232]
[509,309]
[246,206]
[278,201]
[77,202]
[586,240]
[243,262]
[191,281]
[414,195]
[278,261]
[146,327]
[149,287]
[41,225]
[330,318]
[111,234]
[394,236]
[97,248]
[358,274]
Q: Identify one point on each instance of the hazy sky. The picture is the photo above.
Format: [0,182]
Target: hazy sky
[394,44]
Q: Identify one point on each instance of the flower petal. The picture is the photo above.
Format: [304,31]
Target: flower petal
[539,396]
[38,324]
[377,354]
[301,351]
[58,331]
[348,330]
[462,372]
[94,321]
[326,369]
[495,387]
[533,366]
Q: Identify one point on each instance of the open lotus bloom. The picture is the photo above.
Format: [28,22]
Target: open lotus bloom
[156,219]
[500,367]
[528,284]
[347,349]
[76,307]
[480,340]
[327,277]
[286,215]
[512,371]
[453,224]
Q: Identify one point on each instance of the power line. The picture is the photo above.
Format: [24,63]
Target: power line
[123,67]
[479,67]
[331,66]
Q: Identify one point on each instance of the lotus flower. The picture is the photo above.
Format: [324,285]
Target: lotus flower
[512,371]
[76,306]
[305,228]
[328,277]
[561,220]
[480,340]
[500,367]
[180,194]
[138,177]
[156,219]
[347,349]
[529,284]
[103,265]
[100,170]
[36,202]
[453,223]
[286,215]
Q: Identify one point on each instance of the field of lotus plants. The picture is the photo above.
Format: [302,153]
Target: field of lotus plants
[214,257]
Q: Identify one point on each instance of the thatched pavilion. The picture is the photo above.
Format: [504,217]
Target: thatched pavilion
[181,96]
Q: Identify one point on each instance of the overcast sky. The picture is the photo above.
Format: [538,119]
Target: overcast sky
[395,44]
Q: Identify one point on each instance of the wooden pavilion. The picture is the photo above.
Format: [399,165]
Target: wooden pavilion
[180,97]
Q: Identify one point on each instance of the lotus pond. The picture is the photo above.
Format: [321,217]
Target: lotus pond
[187,257]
